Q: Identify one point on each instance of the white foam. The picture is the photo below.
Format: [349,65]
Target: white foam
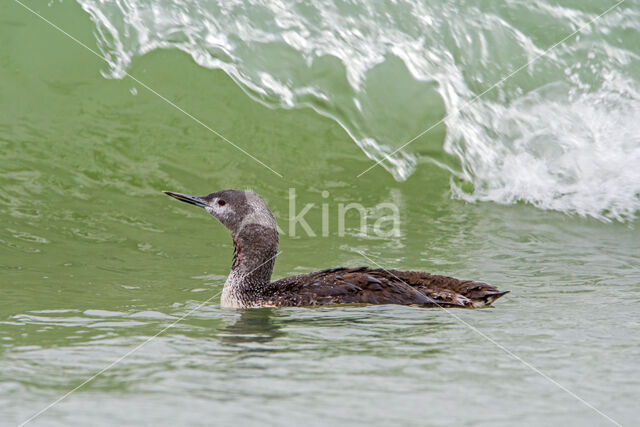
[562,134]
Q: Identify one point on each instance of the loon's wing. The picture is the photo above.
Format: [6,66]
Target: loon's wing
[364,285]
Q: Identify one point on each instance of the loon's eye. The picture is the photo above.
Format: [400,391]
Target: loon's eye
[221,203]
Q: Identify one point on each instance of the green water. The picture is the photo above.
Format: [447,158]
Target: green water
[94,260]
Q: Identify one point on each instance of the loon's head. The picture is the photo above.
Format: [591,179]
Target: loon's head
[235,209]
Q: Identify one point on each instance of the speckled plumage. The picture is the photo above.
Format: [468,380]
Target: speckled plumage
[364,285]
[255,237]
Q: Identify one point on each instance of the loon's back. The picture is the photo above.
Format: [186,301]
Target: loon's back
[364,285]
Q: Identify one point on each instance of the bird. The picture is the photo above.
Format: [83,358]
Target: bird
[254,232]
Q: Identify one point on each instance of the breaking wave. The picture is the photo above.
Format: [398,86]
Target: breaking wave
[563,133]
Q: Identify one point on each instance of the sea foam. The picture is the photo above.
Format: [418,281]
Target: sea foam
[561,133]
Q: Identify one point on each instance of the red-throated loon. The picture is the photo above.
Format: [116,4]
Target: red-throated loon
[255,239]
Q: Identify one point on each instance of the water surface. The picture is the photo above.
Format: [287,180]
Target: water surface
[94,260]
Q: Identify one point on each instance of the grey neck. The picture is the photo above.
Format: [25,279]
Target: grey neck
[255,249]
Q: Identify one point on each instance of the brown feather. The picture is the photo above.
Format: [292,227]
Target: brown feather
[363,285]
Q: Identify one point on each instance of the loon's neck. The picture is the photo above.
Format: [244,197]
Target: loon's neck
[254,256]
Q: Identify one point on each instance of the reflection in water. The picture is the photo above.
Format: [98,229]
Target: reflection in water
[253,326]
